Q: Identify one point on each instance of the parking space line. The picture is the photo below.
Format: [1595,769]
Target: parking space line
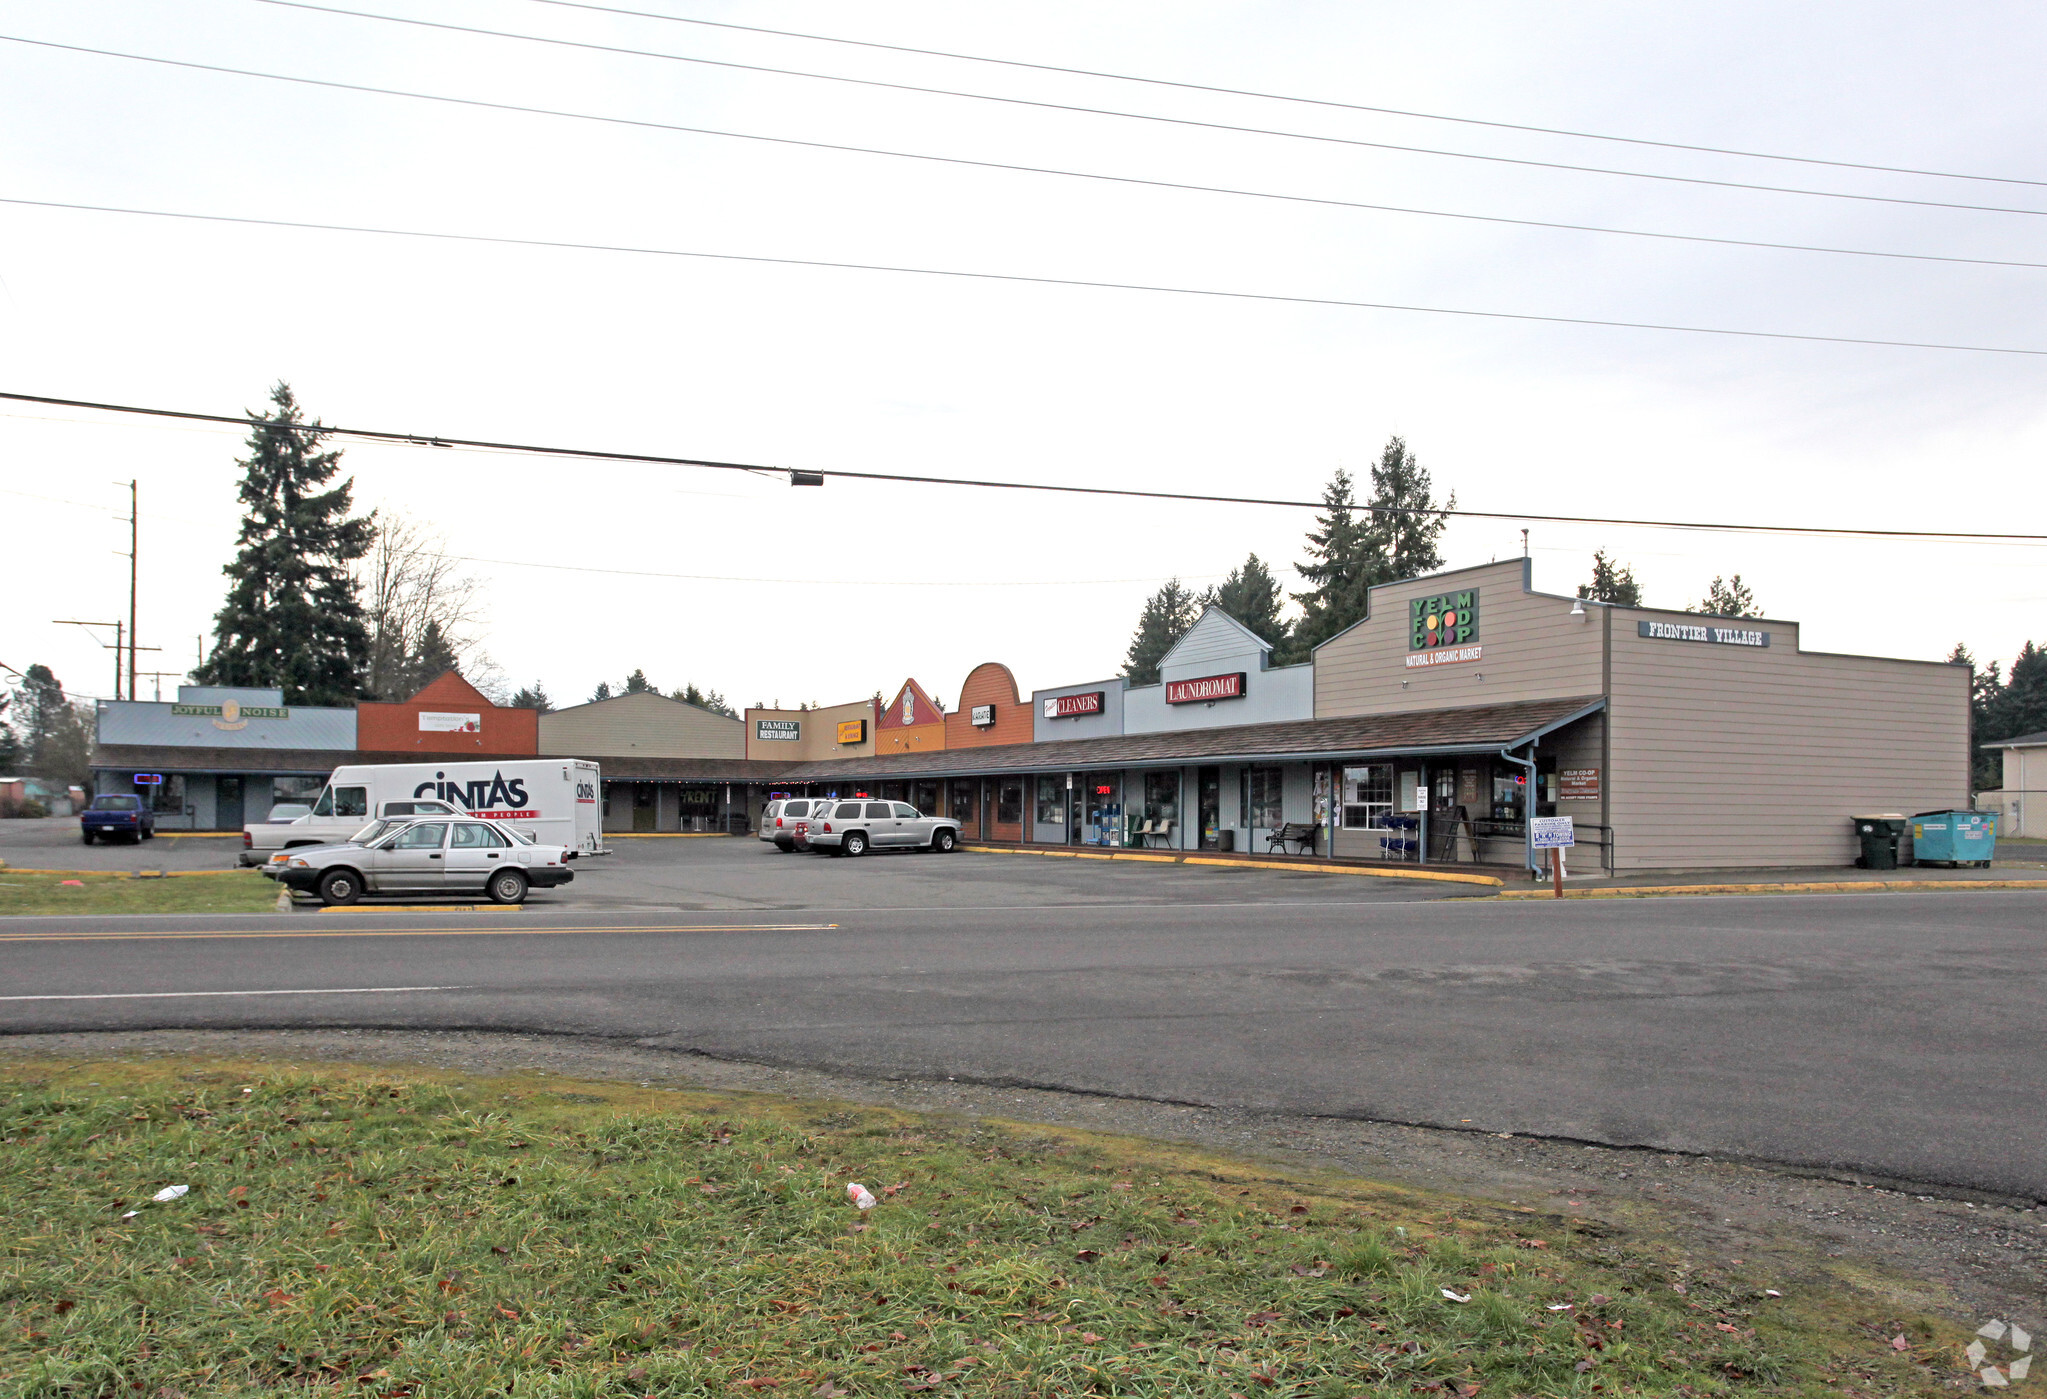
[502,930]
[173,995]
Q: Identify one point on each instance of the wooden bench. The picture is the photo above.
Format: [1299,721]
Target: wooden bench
[1297,833]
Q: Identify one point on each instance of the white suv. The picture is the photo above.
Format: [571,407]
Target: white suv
[779,819]
[855,827]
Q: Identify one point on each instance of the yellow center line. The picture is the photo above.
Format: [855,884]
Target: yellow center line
[498,930]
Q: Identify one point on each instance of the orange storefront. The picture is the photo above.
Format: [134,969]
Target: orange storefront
[991,714]
[912,723]
[449,716]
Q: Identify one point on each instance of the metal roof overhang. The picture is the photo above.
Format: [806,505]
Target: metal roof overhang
[862,767]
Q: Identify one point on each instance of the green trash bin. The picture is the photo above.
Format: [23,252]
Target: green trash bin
[1954,838]
[1878,836]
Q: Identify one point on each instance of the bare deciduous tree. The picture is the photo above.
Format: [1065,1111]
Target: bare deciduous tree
[423,609]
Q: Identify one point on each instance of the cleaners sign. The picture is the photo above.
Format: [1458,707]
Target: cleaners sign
[1069,706]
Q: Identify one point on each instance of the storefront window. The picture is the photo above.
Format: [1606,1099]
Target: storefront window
[924,796]
[963,801]
[295,789]
[1162,796]
[1009,801]
[1367,796]
[1263,809]
[1051,800]
[1510,793]
[167,795]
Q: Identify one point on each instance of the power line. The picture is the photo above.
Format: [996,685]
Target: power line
[908,478]
[1284,97]
[950,160]
[1185,186]
[826,582]
[1022,278]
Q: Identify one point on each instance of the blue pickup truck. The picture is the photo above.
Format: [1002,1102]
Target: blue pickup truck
[113,817]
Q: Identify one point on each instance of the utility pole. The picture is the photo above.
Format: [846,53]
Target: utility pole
[134,540]
[117,646]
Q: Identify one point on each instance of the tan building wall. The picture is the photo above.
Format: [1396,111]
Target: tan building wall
[1756,756]
[1531,648]
[2022,803]
[817,730]
[1712,755]
[641,726]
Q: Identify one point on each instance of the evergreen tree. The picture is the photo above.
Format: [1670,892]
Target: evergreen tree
[533,696]
[1167,615]
[1611,582]
[10,746]
[432,658]
[638,684]
[2022,704]
[602,692]
[1986,767]
[1354,547]
[1251,595]
[56,739]
[704,699]
[1406,524]
[1336,569]
[292,618]
[1728,598]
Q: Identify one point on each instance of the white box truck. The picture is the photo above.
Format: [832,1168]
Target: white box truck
[558,801]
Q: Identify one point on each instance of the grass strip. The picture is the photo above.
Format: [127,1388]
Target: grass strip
[407,1235]
[46,891]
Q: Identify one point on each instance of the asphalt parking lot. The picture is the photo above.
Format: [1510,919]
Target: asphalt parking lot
[728,872]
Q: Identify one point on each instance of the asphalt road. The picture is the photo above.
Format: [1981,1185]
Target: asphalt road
[1898,1035]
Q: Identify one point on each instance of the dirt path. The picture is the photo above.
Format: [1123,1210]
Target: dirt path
[1968,1258]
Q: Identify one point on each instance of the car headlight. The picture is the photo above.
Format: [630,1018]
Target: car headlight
[299,864]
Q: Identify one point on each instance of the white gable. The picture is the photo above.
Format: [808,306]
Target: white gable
[1217,642]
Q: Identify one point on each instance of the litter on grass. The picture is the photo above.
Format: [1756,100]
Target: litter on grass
[859,1195]
[1456,1296]
[170,1192]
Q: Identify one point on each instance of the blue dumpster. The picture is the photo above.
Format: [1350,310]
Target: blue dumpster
[1954,838]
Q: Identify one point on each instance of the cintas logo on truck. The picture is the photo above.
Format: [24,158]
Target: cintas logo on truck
[496,798]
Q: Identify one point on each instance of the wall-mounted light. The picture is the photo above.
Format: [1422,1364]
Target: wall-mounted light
[1578,610]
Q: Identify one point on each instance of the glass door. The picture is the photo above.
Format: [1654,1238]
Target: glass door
[1208,800]
[227,803]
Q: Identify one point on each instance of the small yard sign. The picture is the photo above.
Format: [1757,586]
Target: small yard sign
[1551,833]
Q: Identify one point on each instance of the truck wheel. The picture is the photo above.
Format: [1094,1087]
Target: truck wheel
[149,834]
[507,887]
[340,887]
[85,836]
[944,842]
[855,843]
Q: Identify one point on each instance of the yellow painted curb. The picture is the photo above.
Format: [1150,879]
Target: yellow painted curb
[1439,876]
[1857,886]
[195,835]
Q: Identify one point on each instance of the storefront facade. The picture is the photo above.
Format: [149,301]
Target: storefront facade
[217,756]
[1463,705]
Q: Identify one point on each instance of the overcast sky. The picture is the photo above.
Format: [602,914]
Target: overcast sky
[830,594]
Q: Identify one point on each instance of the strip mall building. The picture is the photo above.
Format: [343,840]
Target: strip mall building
[1463,704]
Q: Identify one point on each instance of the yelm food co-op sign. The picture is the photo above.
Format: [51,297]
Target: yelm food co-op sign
[1443,630]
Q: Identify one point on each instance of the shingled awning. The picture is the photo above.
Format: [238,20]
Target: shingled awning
[1480,729]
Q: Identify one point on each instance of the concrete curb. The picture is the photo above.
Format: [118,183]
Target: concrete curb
[1157,857]
[1857,886]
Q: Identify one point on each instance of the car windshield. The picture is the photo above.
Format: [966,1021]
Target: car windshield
[376,830]
[117,803]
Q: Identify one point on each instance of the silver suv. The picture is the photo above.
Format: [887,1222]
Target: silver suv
[855,827]
[780,820]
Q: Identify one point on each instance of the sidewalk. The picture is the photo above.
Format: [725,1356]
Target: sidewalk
[2029,871]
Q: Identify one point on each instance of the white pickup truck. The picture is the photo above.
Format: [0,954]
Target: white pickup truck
[556,801]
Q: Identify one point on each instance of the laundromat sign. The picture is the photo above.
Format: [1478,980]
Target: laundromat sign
[1443,630]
